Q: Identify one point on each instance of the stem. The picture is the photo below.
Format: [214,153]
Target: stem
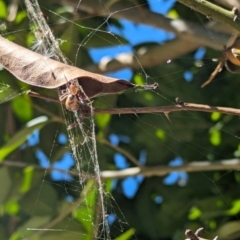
[121,150]
[164,109]
[158,170]
[213,11]
[168,109]
[161,170]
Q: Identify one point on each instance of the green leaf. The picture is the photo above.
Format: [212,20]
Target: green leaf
[237,176]
[12,207]
[102,120]
[20,17]
[3,10]
[22,107]
[160,134]
[85,213]
[235,208]
[5,184]
[138,79]
[212,224]
[215,137]
[108,185]
[173,14]
[195,213]
[44,204]
[5,92]
[215,116]
[34,222]
[20,137]
[127,235]
[27,179]
[228,230]
[148,96]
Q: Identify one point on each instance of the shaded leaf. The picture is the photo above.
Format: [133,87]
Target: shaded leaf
[25,229]
[230,230]
[5,184]
[20,137]
[22,107]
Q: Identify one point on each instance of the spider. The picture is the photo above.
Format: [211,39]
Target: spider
[72,95]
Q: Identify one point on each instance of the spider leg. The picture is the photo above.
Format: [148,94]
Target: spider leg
[45,97]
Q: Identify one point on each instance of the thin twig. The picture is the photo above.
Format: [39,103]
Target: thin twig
[9,163]
[159,170]
[48,113]
[121,150]
[41,96]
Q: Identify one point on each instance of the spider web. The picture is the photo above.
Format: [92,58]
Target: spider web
[83,140]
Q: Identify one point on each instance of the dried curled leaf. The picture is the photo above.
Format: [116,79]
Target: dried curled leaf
[37,70]
[230,59]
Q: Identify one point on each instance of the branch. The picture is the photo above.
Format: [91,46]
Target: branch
[121,150]
[228,3]
[141,15]
[159,170]
[189,36]
[147,56]
[211,10]
[167,109]
[181,106]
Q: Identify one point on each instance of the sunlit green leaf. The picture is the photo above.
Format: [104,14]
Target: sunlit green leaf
[20,16]
[138,79]
[102,120]
[160,134]
[126,235]
[173,14]
[108,185]
[27,179]
[215,116]
[12,207]
[194,213]
[3,10]
[235,208]
[215,137]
